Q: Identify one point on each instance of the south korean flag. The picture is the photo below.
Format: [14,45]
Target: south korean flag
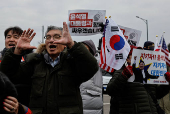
[117,48]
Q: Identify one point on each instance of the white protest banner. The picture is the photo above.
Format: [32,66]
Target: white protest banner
[150,67]
[131,35]
[85,22]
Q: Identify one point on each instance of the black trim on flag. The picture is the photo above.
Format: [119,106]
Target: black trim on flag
[107,49]
[114,28]
[119,56]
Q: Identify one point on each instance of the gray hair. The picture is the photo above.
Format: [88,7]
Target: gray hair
[53,28]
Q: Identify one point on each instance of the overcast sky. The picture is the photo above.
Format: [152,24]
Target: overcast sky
[36,13]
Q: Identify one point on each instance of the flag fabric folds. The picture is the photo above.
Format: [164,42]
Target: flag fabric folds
[115,48]
[163,48]
[103,64]
[158,46]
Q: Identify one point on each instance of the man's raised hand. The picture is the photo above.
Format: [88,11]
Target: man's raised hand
[24,41]
[66,37]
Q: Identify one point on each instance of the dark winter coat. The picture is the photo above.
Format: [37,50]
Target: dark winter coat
[54,89]
[23,90]
[133,98]
[6,89]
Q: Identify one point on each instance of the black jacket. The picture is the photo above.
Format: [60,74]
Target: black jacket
[7,89]
[54,89]
[133,98]
[23,90]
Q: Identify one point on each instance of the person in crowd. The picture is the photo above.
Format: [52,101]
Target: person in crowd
[55,74]
[91,90]
[8,98]
[141,75]
[134,98]
[12,35]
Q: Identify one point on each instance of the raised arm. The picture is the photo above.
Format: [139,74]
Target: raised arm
[11,64]
[83,62]
[24,41]
[66,40]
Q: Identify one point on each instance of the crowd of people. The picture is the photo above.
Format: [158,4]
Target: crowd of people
[138,97]
[54,73]
[63,77]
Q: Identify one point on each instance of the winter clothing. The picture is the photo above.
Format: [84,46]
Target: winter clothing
[3,53]
[7,89]
[165,103]
[148,45]
[24,110]
[91,92]
[91,46]
[133,98]
[127,71]
[22,89]
[167,76]
[55,90]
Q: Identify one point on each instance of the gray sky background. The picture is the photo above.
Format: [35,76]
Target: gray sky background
[36,13]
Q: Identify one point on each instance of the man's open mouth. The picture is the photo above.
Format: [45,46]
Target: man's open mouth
[52,46]
[12,45]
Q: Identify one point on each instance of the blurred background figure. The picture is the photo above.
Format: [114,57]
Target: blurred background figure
[91,90]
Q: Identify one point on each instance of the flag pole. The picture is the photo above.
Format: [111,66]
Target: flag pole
[162,39]
[163,33]
[156,43]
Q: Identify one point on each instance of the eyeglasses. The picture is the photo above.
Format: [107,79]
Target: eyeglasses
[55,37]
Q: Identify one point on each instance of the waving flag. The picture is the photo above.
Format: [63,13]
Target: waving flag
[158,46]
[102,63]
[116,47]
[163,48]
